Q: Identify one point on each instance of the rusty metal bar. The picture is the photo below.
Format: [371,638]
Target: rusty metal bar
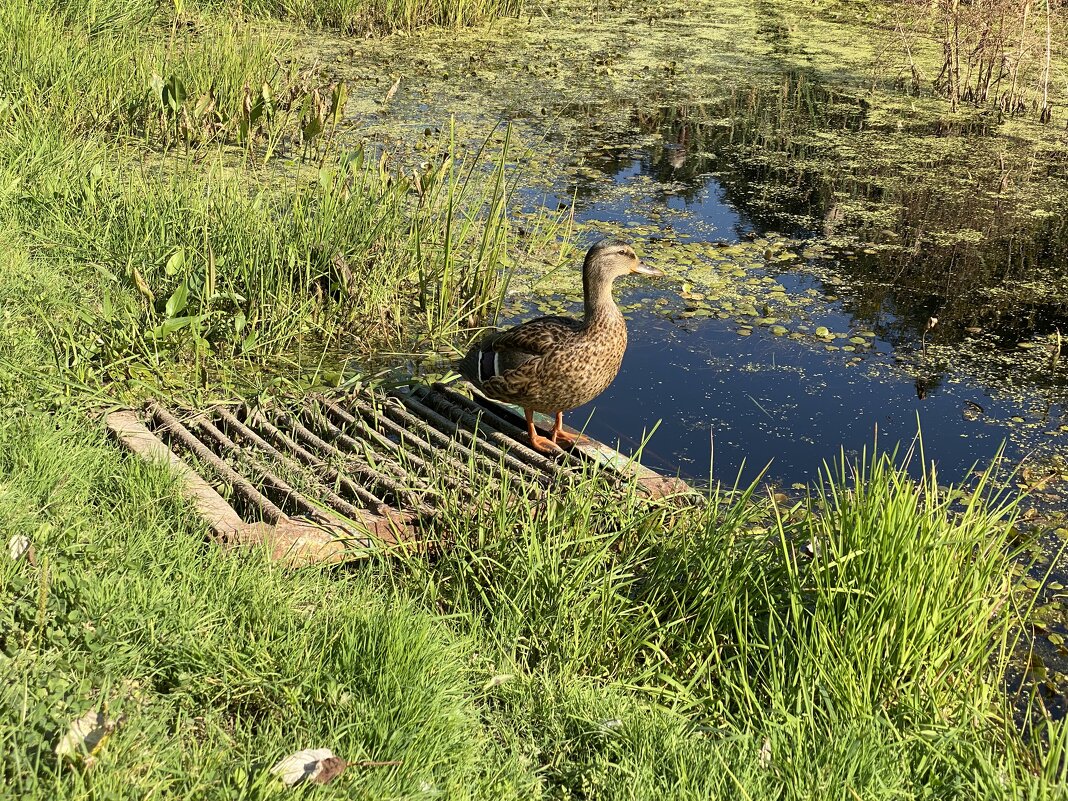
[370,434]
[466,438]
[315,418]
[515,437]
[332,498]
[268,478]
[400,492]
[506,445]
[400,455]
[210,505]
[517,430]
[408,437]
[492,438]
[241,486]
[389,529]
[459,454]
[651,483]
[312,460]
[343,418]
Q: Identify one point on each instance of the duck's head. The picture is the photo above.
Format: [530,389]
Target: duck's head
[611,258]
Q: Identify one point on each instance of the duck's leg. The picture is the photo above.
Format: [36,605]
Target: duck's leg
[538,442]
[558,433]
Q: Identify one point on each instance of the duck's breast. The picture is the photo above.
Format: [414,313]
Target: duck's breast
[574,375]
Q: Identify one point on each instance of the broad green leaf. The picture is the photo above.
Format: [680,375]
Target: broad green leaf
[168,327]
[174,93]
[177,302]
[312,128]
[175,262]
[337,101]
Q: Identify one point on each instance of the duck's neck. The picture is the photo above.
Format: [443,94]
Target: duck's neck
[598,302]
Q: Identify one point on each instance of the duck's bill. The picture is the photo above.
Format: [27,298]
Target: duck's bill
[645,269]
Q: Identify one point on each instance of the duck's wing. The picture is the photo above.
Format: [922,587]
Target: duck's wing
[504,362]
[534,337]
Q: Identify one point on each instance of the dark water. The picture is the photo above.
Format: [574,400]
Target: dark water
[721,401]
[671,168]
[737,404]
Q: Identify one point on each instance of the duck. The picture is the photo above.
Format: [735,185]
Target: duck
[554,364]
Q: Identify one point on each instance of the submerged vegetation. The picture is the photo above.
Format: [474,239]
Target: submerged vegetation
[193,203]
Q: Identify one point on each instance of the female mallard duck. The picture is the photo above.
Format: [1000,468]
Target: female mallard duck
[553,364]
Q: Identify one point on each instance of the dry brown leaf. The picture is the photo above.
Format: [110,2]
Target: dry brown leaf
[86,735]
[318,765]
[329,769]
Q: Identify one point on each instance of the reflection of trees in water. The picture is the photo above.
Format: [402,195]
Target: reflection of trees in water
[953,242]
[695,139]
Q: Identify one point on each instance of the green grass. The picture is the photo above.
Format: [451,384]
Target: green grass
[158,235]
[187,247]
[359,16]
[68,71]
[174,268]
[574,652]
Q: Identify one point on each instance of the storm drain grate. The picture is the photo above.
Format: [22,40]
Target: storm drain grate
[329,478]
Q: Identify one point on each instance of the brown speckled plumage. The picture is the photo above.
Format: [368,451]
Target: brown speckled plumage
[553,364]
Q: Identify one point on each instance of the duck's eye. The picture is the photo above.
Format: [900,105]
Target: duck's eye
[622,253]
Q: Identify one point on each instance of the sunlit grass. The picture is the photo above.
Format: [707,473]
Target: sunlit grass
[359,16]
[615,651]
[80,73]
[196,198]
[593,645]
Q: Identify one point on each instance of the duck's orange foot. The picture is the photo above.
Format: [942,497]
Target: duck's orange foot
[559,435]
[543,444]
[570,439]
[537,441]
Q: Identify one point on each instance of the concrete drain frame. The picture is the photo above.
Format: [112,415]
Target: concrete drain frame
[335,478]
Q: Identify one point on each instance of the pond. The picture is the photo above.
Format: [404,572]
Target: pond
[739,394]
[842,265]
[847,263]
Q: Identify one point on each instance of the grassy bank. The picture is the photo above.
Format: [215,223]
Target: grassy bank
[359,16]
[182,184]
[575,652]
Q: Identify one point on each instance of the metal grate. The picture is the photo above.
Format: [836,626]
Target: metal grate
[330,478]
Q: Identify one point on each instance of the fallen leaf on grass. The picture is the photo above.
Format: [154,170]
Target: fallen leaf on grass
[765,753]
[19,546]
[497,681]
[319,766]
[86,735]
